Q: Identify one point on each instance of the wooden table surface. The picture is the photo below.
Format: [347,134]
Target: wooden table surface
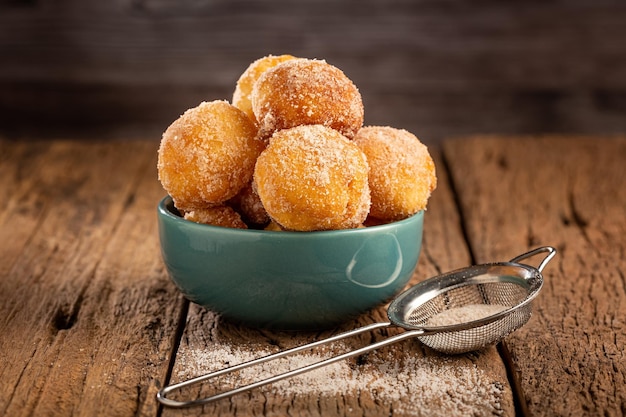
[91,324]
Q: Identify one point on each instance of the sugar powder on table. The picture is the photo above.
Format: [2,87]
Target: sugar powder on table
[464,314]
[412,385]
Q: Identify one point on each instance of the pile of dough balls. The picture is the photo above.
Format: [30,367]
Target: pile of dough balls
[291,153]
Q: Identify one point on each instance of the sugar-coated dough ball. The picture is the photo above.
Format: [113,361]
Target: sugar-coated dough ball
[402,172]
[207,155]
[223,216]
[249,205]
[273,227]
[306,92]
[313,178]
[243,89]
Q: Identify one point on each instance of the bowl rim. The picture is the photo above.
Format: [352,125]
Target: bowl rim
[163,211]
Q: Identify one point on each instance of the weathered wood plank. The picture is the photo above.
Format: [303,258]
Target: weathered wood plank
[20,215]
[457,42]
[569,193]
[88,316]
[400,380]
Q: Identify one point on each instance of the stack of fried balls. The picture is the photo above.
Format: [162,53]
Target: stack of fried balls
[291,153]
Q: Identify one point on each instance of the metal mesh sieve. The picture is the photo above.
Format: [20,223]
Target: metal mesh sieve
[457,341]
[510,286]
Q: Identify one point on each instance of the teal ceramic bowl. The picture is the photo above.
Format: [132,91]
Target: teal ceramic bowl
[288,280]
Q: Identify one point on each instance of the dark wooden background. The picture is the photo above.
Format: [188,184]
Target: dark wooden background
[440,68]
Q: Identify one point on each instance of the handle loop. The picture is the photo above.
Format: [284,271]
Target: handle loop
[551,252]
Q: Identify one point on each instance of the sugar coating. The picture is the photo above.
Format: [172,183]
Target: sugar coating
[207,155]
[306,92]
[409,384]
[243,88]
[249,205]
[402,172]
[222,216]
[313,178]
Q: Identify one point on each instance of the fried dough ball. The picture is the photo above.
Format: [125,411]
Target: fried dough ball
[222,216]
[243,89]
[313,178]
[306,92]
[402,172]
[273,227]
[207,155]
[249,205]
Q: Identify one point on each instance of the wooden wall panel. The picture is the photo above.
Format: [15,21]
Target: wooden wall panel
[438,68]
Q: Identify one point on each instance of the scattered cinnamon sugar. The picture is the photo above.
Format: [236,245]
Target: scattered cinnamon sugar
[412,385]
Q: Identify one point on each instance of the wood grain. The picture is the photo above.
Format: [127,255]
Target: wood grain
[569,193]
[474,384]
[89,319]
[88,316]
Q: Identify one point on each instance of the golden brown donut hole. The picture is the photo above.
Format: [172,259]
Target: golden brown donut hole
[313,178]
[207,155]
[306,92]
[402,172]
[243,88]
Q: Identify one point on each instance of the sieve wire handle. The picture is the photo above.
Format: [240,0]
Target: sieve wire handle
[162,394]
[551,252]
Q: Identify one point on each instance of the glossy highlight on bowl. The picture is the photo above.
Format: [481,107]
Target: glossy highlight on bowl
[288,280]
